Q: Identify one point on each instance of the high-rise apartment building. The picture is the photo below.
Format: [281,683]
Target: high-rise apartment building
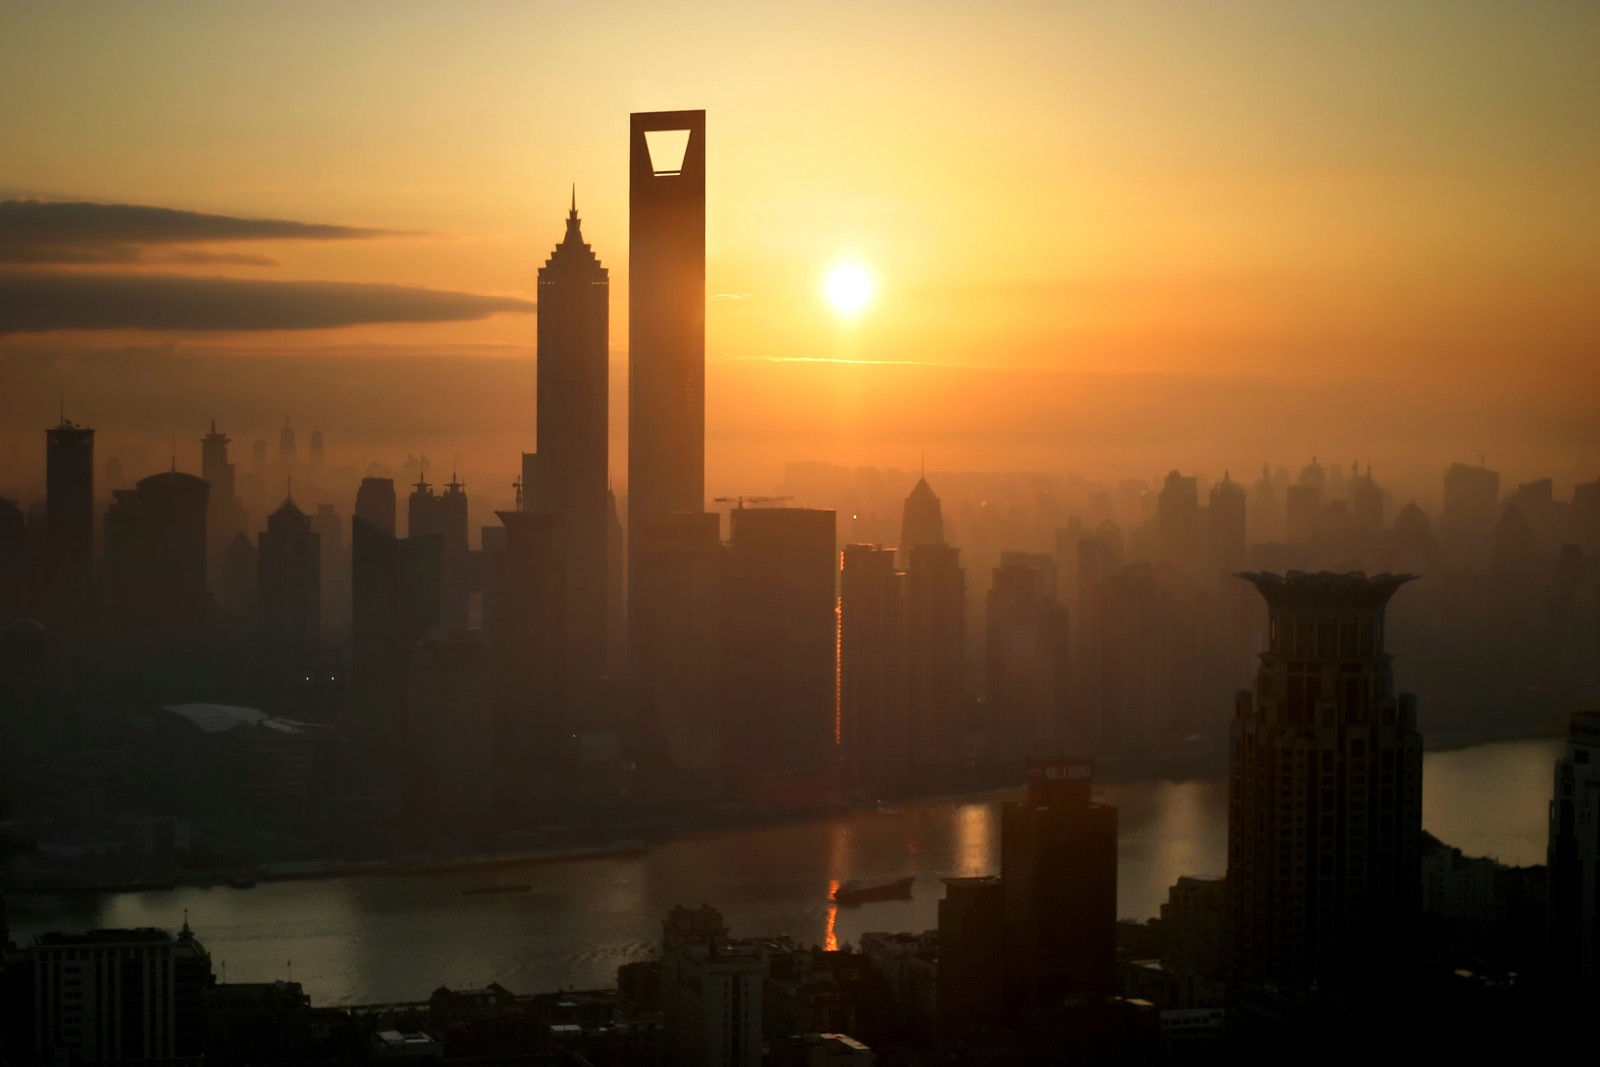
[1058,870]
[155,538]
[782,637]
[289,594]
[711,992]
[573,405]
[936,640]
[107,996]
[1574,858]
[1025,658]
[445,515]
[1178,521]
[1226,541]
[1324,794]
[874,737]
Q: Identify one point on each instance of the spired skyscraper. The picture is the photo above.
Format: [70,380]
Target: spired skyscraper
[1325,795]
[574,331]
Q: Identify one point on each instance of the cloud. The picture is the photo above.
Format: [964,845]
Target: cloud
[33,301]
[48,231]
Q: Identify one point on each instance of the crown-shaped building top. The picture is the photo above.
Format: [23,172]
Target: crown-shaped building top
[573,255]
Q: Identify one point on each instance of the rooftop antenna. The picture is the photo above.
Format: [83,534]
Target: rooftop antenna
[175,471]
[63,405]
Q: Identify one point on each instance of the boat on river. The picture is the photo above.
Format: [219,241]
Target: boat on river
[853,892]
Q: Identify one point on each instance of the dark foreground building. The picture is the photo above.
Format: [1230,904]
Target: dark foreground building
[1324,813]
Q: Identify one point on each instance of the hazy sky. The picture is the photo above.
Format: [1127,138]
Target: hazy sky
[1107,237]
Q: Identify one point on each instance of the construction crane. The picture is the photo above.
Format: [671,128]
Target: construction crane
[741,501]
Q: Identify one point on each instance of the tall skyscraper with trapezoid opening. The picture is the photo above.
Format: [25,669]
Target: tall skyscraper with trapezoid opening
[666,316]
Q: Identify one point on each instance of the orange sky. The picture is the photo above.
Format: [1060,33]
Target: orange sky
[1126,237]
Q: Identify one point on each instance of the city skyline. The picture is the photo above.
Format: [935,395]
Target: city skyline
[1298,317]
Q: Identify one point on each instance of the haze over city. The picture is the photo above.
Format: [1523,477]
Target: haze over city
[871,535]
[1104,240]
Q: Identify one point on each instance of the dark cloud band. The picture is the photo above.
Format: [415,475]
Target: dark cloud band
[47,231]
[33,301]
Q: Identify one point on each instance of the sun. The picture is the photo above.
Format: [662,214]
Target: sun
[849,288]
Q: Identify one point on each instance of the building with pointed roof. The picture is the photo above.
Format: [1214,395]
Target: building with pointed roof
[922,520]
[573,437]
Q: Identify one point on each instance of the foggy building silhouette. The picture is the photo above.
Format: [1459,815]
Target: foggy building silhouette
[329,528]
[1178,522]
[1099,559]
[1366,501]
[315,456]
[782,639]
[1226,541]
[288,595]
[666,325]
[445,515]
[874,690]
[922,519]
[1324,795]
[1058,869]
[1573,917]
[225,515]
[1471,498]
[573,435]
[375,504]
[1304,501]
[69,514]
[1025,658]
[288,454]
[394,603]
[936,638]
[155,541]
[525,623]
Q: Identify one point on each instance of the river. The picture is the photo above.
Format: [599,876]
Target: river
[376,940]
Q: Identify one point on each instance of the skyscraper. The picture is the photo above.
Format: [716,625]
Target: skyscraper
[782,638]
[936,599]
[1058,870]
[1225,525]
[289,594]
[666,316]
[1324,794]
[574,302]
[922,519]
[1025,658]
[69,508]
[874,741]
[1178,521]
[375,504]
[156,561]
[224,512]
